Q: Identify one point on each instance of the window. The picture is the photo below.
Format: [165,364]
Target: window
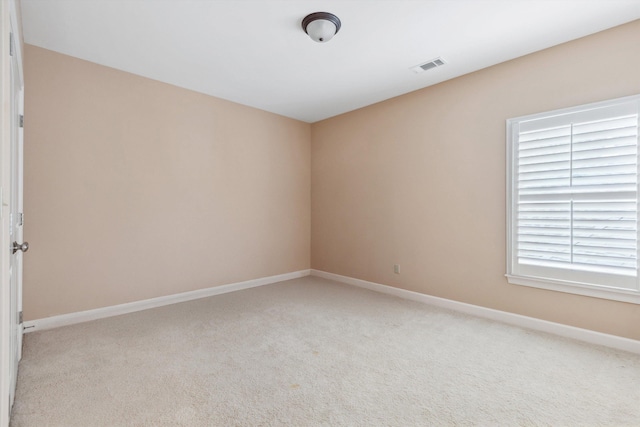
[572,191]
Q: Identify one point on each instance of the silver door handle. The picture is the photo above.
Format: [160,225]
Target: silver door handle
[23,247]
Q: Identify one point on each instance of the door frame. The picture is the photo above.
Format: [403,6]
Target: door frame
[10,27]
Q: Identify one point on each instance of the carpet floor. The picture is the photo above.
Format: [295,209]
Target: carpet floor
[312,352]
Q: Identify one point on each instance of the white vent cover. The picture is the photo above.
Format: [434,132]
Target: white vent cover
[428,65]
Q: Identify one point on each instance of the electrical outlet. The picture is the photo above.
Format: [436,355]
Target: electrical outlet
[396,268]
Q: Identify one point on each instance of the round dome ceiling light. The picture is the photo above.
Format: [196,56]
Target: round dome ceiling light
[321,26]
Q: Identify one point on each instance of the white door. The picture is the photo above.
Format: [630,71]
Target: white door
[16,221]
[11,245]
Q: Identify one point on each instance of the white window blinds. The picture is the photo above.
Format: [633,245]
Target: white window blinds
[574,195]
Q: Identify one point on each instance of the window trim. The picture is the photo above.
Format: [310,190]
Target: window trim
[559,285]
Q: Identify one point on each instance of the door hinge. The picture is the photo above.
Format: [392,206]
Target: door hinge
[11,52]
[20,219]
[19,318]
[21,121]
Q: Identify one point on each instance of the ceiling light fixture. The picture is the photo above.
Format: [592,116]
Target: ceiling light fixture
[321,26]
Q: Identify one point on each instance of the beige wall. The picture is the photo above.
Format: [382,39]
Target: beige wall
[419,180]
[136,189]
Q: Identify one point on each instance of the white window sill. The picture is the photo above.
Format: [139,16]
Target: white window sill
[625,295]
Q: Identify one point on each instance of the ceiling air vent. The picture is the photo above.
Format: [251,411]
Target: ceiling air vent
[428,65]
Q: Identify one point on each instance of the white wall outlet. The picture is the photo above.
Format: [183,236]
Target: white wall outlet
[396,268]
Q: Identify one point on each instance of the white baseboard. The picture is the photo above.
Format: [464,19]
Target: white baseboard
[116,310]
[585,335]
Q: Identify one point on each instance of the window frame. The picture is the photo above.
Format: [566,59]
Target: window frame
[551,283]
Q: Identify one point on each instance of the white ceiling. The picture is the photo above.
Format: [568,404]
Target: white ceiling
[255,52]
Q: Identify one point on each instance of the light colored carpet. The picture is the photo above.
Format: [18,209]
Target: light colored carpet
[311,352]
